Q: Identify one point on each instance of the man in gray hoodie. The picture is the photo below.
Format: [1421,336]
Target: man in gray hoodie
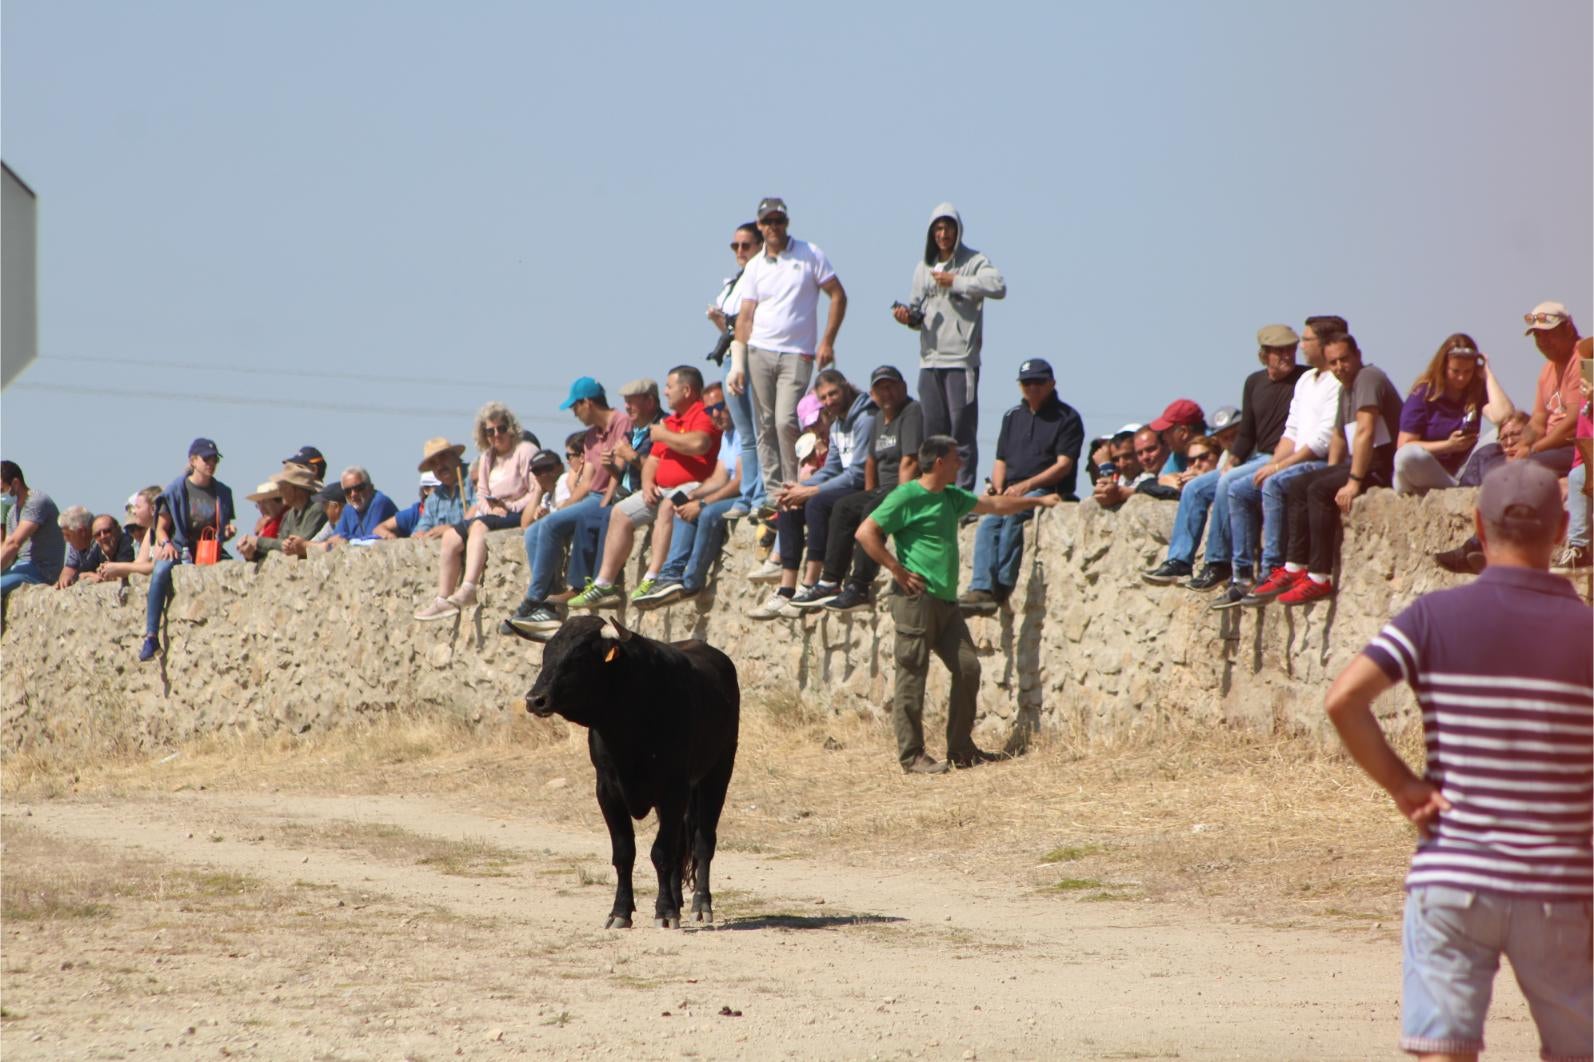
[947,309]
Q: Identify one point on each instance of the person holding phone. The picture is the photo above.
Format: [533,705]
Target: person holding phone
[1444,416]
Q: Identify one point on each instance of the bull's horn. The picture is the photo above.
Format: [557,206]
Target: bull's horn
[619,630]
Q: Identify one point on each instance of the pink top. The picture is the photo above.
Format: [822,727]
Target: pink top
[508,479]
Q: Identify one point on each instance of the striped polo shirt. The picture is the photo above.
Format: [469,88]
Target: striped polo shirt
[1504,671]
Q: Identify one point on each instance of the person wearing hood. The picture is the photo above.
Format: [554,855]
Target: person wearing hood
[805,507]
[947,309]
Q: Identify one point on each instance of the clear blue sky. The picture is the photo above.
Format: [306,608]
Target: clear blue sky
[350,224]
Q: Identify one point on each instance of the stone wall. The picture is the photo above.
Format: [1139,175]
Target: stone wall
[290,645]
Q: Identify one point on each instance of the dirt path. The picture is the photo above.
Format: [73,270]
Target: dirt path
[285,926]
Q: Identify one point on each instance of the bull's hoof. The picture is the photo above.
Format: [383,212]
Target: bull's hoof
[617,922]
[704,914]
[671,922]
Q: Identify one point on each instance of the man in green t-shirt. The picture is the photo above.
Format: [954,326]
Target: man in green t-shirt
[923,516]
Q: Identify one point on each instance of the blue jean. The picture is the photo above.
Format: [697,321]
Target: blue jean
[741,410]
[693,547]
[998,548]
[1451,943]
[1245,500]
[1577,507]
[160,588]
[19,574]
[547,538]
[1210,491]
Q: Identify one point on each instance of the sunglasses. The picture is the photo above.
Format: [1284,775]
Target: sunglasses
[717,407]
[742,245]
[1033,383]
[1203,457]
[497,429]
[358,488]
[773,219]
[106,532]
[1542,318]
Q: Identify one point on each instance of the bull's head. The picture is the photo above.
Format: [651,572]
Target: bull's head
[572,681]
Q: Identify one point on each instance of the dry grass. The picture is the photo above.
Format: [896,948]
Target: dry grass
[1236,822]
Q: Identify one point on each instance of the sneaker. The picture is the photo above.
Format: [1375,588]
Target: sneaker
[1211,577]
[768,572]
[737,511]
[147,651]
[777,607]
[653,593]
[1465,559]
[463,598]
[1278,580]
[969,518]
[922,764]
[1169,571]
[438,608]
[595,597]
[1236,594]
[851,598]
[815,596]
[1305,592]
[978,602]
[767,513]
[684,595]
[977,757]
[534,617]
[1571,558]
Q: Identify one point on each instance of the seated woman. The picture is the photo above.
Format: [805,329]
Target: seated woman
[504,487]
[190,504]
[1443,416]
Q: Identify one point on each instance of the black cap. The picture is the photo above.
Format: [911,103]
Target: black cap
[305,456]
[1035,369]
[545,459]
[330,492]
[886,372]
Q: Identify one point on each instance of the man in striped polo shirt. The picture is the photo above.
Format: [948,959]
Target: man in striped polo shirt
[1503,672]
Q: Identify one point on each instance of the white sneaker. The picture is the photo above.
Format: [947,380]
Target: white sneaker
[776,607]
[768,572]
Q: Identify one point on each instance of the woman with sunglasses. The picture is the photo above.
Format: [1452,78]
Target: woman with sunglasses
[193,502]
[504,483]
[746,241]
[1443,417]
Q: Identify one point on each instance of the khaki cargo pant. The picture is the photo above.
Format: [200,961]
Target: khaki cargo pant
[927,624]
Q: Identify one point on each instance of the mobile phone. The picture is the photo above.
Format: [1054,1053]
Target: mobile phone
[679,498]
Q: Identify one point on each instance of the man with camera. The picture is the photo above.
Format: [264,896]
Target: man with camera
[685,449]
[947,309]
[777,337]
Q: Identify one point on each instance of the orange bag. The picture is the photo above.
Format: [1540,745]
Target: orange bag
[208,549]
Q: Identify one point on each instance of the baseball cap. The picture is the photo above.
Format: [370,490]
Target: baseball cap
[1127,429]
[305,456]
[886,372]
[642,385]
[330,492]
[1179,411]
[1035,369]
[771,204]
[1545,316]
[1277,335]
[203,447]
[1522,491]
[585,387]
[1226,417]
[545,459]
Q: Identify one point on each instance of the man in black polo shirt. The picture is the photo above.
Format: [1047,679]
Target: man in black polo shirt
[1037,452]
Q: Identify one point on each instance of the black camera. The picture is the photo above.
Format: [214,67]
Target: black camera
[915,315]
[723,346]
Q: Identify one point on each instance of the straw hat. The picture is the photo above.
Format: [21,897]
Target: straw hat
[268,489]
[299,476]
[436,448]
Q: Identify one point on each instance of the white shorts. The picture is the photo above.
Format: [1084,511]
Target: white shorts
[639,512]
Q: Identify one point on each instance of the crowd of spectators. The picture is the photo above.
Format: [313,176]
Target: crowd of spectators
[790,442]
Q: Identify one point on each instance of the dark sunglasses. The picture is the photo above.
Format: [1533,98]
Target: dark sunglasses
[1203,457]
[106,531]
[1034,383]
[742,245]
[497,429]
[773,219]
[715,408]
[357,488]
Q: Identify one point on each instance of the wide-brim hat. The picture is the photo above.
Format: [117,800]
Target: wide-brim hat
[436,448]
[298,476]
[268,489]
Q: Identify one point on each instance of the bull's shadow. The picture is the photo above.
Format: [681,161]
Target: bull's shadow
[791,921]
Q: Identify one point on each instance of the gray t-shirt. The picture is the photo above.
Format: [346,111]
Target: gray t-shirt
[1372,388]
[201,510]
[45,549]
[902,436]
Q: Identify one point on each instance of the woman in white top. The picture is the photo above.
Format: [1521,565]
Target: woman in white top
[504,485]
[746,242]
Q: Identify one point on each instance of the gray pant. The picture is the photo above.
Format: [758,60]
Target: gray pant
[951,401]
[778,382]
[927,624]
[1417,471]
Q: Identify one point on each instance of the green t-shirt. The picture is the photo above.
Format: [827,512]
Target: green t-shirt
[925,525]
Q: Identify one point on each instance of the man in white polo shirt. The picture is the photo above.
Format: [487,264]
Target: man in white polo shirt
[777,337]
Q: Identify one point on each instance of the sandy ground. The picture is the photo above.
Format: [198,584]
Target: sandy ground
[291,926]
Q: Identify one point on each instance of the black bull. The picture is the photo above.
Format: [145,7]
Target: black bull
[662,721]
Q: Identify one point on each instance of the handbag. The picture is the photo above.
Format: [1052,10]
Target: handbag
[208,549]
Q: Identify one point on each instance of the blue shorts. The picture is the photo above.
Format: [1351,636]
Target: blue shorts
[1451,947]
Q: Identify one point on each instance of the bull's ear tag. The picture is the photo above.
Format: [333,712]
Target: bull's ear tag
[614,651]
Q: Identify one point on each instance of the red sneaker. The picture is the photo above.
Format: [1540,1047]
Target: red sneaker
[1278,580]
[1305,592]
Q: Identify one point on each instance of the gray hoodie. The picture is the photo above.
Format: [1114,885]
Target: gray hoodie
[953,328]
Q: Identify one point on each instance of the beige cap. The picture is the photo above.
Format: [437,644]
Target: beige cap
[1277,335]
[1545,316]
[268,489]
[640,386]
[300,476]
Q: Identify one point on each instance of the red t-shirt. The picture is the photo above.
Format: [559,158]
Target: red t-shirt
[1558,393]
[674,468]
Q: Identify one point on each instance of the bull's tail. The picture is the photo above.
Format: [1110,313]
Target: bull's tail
[689,843]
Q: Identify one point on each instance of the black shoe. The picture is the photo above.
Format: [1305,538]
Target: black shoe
[923,764]
[1170,571]
[816,596]
[1465,559]
[1212,576]
[969,518]
[851,598]
[1233,597]
[978,602]
[977,757]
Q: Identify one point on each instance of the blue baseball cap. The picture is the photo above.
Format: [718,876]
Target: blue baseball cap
[203,448]
[585,387]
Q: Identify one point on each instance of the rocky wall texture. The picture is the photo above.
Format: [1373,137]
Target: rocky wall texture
[290,645]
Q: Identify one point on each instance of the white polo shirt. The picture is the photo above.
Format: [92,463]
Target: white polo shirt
[1313,410]
[786,289]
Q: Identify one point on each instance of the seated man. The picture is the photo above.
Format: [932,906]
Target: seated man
[365,508]
[1119,473]
[302,517]
[684,450]
[1225,428]
[893,459]
[546,471]
[331,499]
[451,494]
[268,502]
[111,545]
[806,507]
[1037,451]
[402,524]
[34,548]
[1264,407]
[82,554]
[1179,423]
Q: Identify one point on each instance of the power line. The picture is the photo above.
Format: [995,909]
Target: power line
[300,372]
